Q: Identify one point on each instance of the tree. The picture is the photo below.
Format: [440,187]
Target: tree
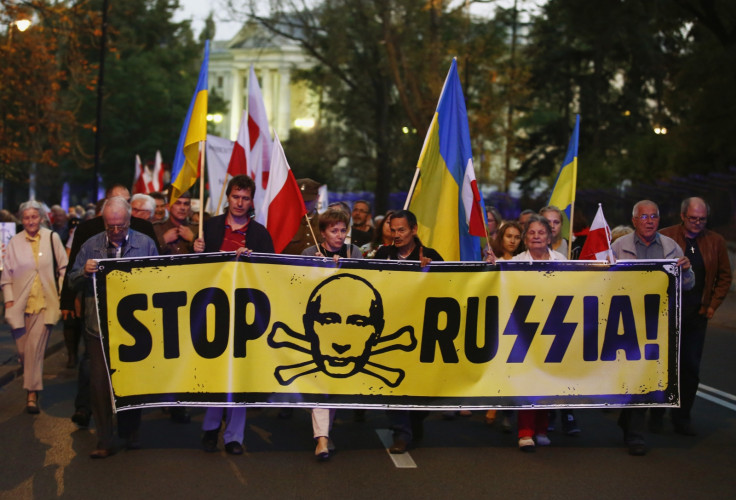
[380,67]
[40,67]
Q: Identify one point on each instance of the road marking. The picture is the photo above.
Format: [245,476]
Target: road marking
[400,460]
[716,391]
[715,399]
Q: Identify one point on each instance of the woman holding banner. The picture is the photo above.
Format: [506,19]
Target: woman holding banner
[34,265]
[537,239]
[333,226]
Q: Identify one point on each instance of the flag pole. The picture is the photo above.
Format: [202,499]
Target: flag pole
[201,188]
[314,236]
[222,192]
[411,189]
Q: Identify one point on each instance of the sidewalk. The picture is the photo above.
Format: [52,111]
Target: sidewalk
[10,367]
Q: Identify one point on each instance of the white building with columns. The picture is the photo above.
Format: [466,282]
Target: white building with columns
[274,58]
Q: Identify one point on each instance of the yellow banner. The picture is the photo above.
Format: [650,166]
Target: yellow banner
[207,329]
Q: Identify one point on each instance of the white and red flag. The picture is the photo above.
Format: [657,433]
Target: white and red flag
[157,176]
[239,159]
[259,159]
[283,205]
[141,177]
[597,244]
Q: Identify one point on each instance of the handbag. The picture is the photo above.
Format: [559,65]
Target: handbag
[56,265]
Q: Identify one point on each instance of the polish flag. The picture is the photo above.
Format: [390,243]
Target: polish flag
[283,206]
[259,159]
[597,245]
[141,178]
[157,177]
[239,160]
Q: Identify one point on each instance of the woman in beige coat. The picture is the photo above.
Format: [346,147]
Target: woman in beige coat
[32,274]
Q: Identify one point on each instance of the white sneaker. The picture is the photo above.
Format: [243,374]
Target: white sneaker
[543,440]
[526,444]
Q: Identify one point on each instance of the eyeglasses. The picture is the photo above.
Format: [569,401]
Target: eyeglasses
[696,220]
[116,227]
[644,217]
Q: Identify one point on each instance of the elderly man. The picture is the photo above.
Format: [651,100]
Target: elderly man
[709,259]
[142,206]
[361,231]
[176,234]
[117,241]
[70,308]
[646,243]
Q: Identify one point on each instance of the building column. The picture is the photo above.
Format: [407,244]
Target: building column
[267,91]
[236,103]
[283,120]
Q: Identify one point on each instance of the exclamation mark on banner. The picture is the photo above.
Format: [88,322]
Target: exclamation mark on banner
[651,322]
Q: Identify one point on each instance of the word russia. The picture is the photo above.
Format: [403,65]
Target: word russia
[299,331]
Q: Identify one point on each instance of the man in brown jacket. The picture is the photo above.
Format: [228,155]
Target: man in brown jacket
[709,260]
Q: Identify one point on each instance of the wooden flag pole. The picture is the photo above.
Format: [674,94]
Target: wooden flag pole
[314,236]
[222,192]
[201,188]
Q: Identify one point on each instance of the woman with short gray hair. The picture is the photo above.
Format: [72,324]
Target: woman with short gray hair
[34,263]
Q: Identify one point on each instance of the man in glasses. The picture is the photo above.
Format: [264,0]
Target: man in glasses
[646,243]
[116,241]
[709,259]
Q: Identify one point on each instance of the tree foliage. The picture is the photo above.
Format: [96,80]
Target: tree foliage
[381,65]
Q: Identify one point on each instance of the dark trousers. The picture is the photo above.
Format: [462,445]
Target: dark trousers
[100,398]
[692,340]
[632,421]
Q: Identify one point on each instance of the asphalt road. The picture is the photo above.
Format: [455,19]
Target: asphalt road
[46,456]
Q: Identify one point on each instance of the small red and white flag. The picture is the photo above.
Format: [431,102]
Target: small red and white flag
[259,159]
[239,160]
[141,177]
[283,205]
[597,244]
[157,176]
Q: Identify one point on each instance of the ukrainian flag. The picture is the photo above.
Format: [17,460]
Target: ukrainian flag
[185,169]
[563,194]
[446,200]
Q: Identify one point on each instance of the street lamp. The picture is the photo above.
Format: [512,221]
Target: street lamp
[20,24]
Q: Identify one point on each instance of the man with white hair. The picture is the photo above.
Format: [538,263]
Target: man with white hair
[117,241]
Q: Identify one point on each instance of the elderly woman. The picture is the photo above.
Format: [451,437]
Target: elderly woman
[537,239]
[34,265]
[333,225]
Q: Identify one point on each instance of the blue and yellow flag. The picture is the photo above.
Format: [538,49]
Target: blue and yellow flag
[446,200]
[185,169]
[563,194]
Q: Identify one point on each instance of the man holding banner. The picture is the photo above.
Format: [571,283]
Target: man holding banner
[646,243]
[406,425]
[229,232]
[117,241]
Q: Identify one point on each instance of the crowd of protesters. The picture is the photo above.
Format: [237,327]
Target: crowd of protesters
[40,287]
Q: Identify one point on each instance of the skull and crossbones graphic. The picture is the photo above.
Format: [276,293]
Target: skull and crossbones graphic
[343,323]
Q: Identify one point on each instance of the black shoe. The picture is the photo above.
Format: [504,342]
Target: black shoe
[209,440]
[637,449]
[81,418]
[180,415]
[398,447]
[234,448]
[685,428]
